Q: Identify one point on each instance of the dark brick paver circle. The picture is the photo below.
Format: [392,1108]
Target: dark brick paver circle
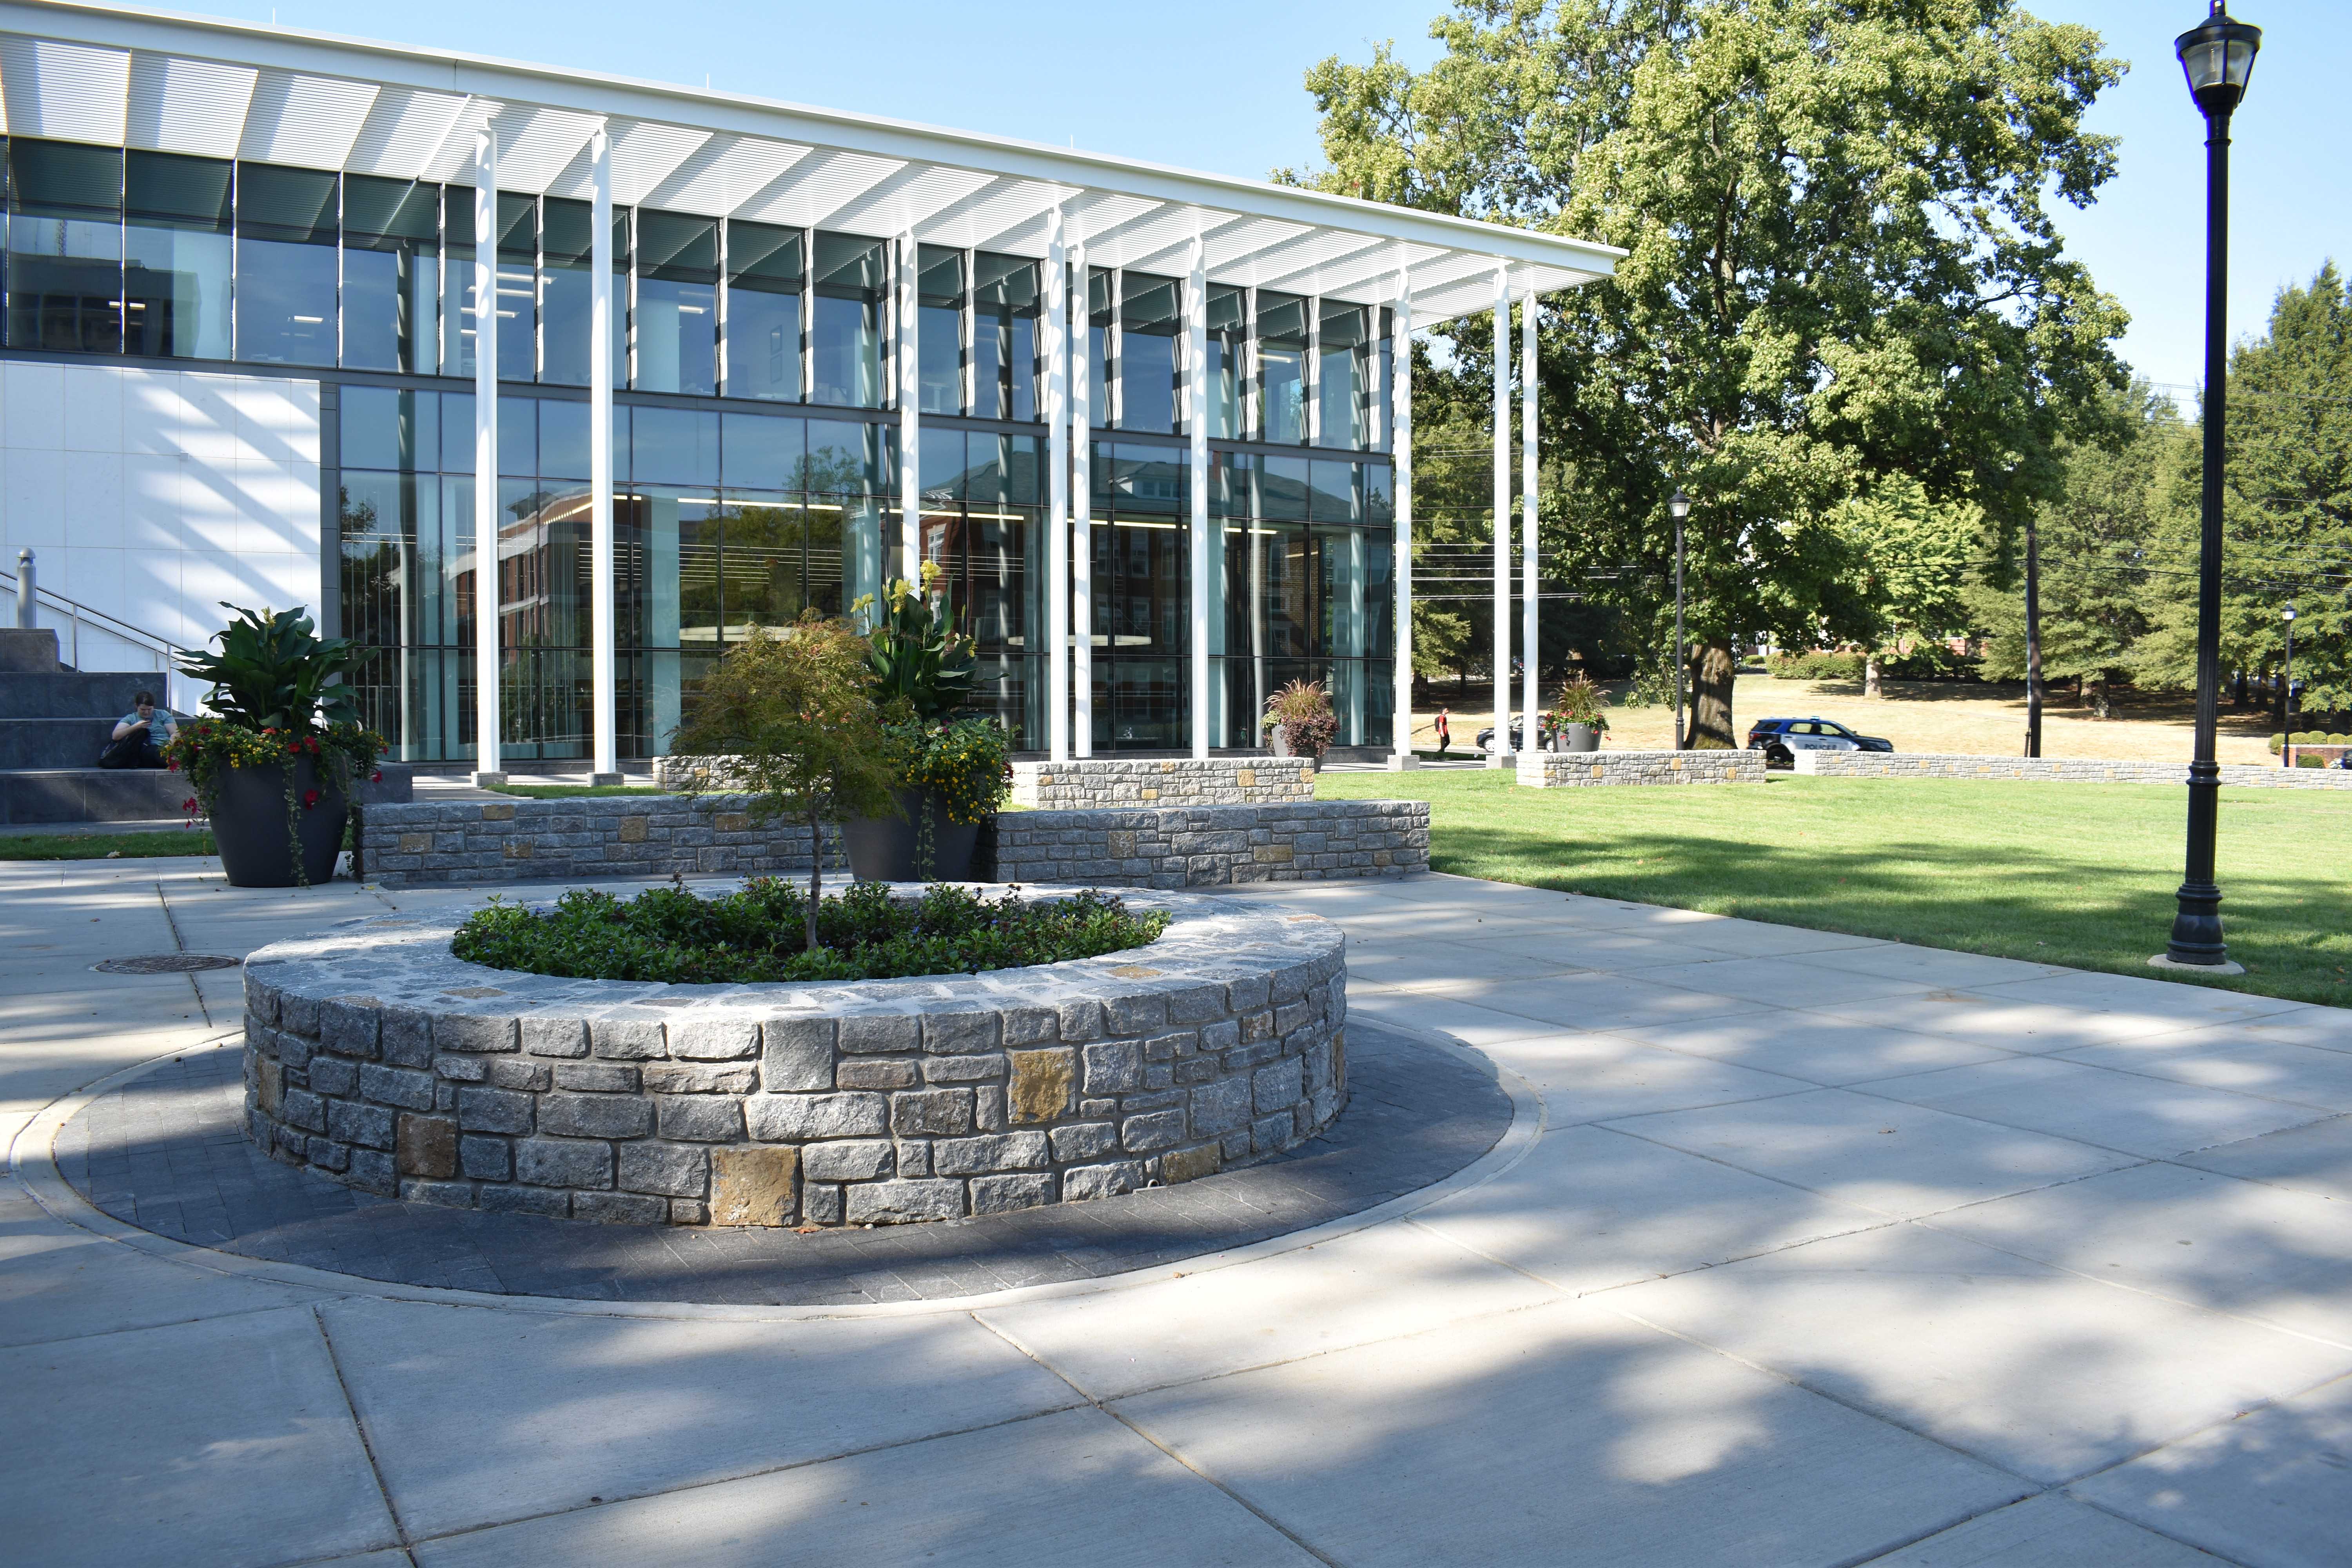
[165,1152]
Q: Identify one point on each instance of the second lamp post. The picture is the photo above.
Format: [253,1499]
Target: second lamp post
[1680,506]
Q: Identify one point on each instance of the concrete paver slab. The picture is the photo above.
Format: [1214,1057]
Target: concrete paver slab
[1815,1048]
[2047,1532]
[2238,1246]
[1588,1208]
[2159,1004]
[2139,1115]
[1595,1076]
[2271,1069]
[2012,1024]
[225,1442]
[1939,966]
[1559,1432]
[1900,1160]
[2266,1490]
[1773,982]
[2316,1158]
[2043,1373]
[1589,1001]
[479,1417]
[1077,1487]
[59,1281]
[1379,1284]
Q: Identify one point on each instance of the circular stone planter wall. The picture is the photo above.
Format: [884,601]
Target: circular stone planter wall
[380,1061]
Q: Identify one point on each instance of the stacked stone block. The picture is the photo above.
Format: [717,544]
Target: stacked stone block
[580,838]
[2067,769]
[1097,783]
[379,1060]
[1585,770]
[1203,847]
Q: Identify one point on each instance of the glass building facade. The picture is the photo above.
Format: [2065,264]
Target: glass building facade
[756,435]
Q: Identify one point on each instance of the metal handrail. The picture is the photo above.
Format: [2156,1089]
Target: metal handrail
[164,649]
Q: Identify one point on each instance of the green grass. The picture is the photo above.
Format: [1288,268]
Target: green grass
[99,845]
[2077,874]
[566,792]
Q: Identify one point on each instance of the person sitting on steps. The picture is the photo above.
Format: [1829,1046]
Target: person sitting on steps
[134,743]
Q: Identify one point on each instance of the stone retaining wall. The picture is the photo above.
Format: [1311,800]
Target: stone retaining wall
[580,839]
[1203,847]
[2076,770]
[1093,784]
[379,1060]
[1579,770]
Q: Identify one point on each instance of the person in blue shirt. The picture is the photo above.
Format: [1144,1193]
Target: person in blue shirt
[136,742]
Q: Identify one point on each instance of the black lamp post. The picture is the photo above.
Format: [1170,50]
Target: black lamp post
[1680,506]
[2217,55]
[2286,696]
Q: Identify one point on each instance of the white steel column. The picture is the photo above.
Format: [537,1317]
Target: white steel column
[1528,541]
[1401,452]
[1501,755]
[1082,492]
[603,675]
[911,421]
[487,630]
[1196,417]
[1055,345]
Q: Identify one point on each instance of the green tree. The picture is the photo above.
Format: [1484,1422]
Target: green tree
[2100,592]
[2287,519]
[1914,556]
[793,723]
[1842,273]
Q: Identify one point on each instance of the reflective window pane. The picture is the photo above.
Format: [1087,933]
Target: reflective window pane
[1343,376]
[1150,319]
[675,445]
[843,458]
[564,441]
[65,247]
[765,277]
[676,321]
[178,256]
[761,453]
[566,291]
[286,265]
[458,282]
[391,241]
[938,338]
[845,325]
[1282,368]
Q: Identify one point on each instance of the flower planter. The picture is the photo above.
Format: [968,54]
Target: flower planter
[1576,737]
[892,849]
[248,825]
[1277,740]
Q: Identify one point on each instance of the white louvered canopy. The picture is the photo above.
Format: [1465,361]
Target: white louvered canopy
[104,74]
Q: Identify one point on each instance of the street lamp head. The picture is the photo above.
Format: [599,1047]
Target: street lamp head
[2217,56]
[2287,614]
[1680,505]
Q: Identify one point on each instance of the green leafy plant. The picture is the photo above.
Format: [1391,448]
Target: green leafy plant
[768,931]
[276,697]
[795,721]
[1303,709]
[967,765]
[275,672]
[1579,703]
[916,655]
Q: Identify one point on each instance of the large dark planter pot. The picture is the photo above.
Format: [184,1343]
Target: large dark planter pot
[249,826]
[1577,738]
[889,848]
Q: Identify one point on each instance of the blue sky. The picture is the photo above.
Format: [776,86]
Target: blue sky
[1214,84]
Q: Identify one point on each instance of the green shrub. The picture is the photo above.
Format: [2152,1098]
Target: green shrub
[758,933]
[1817,666]
[2310,737]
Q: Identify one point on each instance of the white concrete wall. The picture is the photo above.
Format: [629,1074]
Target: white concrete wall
[153,495]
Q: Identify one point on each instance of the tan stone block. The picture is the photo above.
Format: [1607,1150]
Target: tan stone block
[1151,795]
[520,848]
[416,844]
[1271,854]
[753,1185]
[426,1146]
[1190,1164]
[633,829]
[1306,775]
[732,822]
[1041,1086]
[1246,777]
[497,810]
[271,1088]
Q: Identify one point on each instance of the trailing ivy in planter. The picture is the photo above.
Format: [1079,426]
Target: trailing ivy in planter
[274,765]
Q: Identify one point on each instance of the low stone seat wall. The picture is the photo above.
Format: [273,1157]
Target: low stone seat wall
[1210,846]
[1585,770]
[1085,784]
[2068,770]
[380,1061]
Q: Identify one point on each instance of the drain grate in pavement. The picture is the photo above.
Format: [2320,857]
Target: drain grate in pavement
[165,963]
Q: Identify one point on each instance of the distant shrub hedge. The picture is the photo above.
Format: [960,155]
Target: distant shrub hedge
[2309,738]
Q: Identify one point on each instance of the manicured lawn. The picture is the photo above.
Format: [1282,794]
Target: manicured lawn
[566,792]
[99,845]
[2080,875]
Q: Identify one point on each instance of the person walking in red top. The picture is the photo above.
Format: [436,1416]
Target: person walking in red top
[1444,733]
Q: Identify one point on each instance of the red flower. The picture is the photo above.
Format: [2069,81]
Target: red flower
[309,798]
[376,777]
[189,803]
[173,764]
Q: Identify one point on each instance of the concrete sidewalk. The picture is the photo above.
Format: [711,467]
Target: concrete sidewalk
[1803,1249]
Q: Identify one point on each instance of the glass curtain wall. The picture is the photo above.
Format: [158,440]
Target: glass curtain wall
[567,288]
[1150,316]
[1310,578]
[675,318]
[64,247]
[287,224]
[1005,338]
[765,279]
[981,527]
[1281,369]
[939,337]
[177,256]
[845,321]
[1142,597]
[391,274]
[1343,376]
[1228,329]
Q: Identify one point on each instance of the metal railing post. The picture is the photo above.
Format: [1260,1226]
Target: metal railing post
[25,618]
